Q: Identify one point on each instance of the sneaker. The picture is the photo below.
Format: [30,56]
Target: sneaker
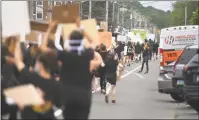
[146,73]
[113,101]
[103,92]
[139,71]
[106,99]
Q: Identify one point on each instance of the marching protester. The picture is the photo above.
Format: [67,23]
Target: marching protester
[150,45]
[75,73]
[128,52]
[145,56]
[111,64]
[8,74]
[102,71]
[51,91]
[138,50]
[155,50]
[119,49]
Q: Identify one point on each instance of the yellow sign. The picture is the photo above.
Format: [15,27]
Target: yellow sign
[143,33]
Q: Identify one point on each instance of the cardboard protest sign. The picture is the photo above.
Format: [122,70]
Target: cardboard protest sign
[100,30]
[105,38]
[89,26]
[32,36]
[15,18]
[24,95]
[40,26]
[65,13]
[104,25]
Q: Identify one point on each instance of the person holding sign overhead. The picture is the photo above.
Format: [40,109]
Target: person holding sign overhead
[41,78]
[77,63]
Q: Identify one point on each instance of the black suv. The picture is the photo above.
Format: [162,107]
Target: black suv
[191,78]
[177,79]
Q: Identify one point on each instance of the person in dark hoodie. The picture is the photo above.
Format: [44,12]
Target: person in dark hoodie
[145,56]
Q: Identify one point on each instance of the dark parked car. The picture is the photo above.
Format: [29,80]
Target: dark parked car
[191,78]
[177,79]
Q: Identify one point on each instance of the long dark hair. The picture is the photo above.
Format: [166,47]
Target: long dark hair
[76,35]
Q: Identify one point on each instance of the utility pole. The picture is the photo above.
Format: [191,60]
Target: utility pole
[118,14]
[90,9]
[131,17]
[113,12]
[80,8]
[122,14]
[106,11]
[51,7]
[185,13]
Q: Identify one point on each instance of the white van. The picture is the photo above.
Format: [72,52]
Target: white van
[174,39]
[172,42]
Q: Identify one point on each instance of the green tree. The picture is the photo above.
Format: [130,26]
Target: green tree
[195,17]
[177,16]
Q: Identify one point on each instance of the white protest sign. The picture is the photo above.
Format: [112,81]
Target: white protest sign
[15,18]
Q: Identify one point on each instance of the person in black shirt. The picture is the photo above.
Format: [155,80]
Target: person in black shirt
[150,45]
[42,79]
[102,71]
[145,56]
[155,50]
[8,72]
[119,49]
[111,68]
[129,53]
[138,50]
[75,74]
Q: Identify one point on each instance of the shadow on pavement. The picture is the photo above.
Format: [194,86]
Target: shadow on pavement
[167,101]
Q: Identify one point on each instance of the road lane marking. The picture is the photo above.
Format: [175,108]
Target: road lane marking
[130,72]
[59,111]
[126,71]
[142,77]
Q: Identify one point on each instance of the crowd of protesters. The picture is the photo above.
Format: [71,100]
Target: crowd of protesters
[64,75]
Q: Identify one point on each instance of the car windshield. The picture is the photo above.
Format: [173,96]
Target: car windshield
[187,55]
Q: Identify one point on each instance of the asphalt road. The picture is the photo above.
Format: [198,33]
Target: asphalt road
[137,98]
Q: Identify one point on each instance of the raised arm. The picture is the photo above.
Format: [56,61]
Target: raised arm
[44,44]
[96,62]
[18,55]
[57,37]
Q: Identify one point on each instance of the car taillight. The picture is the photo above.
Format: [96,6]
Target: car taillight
[161,57]
[160,50]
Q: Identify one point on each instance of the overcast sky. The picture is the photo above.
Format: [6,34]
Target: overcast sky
[162,5]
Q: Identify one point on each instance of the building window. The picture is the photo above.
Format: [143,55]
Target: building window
[39,3]
[39,16]
[57,3]
[34,7]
